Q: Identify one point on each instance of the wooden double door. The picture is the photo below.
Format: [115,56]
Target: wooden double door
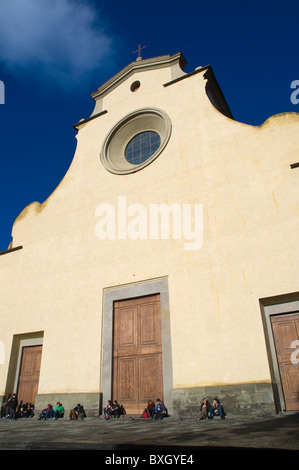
[29,373]
[137,352]
[286,335]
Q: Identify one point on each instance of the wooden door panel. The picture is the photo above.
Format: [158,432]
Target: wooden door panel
[285,333]
[285,330]
[151,386]
[150,326]
[291,379]
[137,352]
[127,377]
[127,331]
[29,373]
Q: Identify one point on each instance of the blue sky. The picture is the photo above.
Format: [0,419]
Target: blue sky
[54,53]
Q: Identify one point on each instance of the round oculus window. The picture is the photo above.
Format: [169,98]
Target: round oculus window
[142,147]
[136,141]
[135,86]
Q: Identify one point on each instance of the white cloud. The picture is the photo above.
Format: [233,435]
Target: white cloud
[60,39]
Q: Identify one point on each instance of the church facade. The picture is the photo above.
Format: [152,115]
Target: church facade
[165,264]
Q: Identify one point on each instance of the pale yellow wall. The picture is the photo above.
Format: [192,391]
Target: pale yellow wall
[241,174]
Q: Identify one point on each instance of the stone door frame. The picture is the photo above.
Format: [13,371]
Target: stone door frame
[127,291]
[278,305]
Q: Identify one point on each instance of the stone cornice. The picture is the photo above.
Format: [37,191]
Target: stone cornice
[139,65]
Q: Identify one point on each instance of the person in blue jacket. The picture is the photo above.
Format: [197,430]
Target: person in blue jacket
[160,410]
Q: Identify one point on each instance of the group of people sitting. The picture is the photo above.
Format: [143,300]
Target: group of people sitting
[209,410]
[113,410]
[50,413]
[155,411]
[12,409]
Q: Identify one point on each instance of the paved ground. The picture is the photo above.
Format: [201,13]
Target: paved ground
[277,433]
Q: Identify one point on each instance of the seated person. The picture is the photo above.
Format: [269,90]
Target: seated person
[47,413]
[216,409]
[115,410]
[148,412]
[77,412]
[108,410]
[30,411]
[205,408]
[59,411]
[122,411]
[160,410]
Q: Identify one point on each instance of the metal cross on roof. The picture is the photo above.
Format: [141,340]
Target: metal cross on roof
[139,51]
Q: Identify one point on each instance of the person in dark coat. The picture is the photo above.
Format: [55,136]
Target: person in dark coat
[77,412]
[205,408]
[217,409]
[12,405]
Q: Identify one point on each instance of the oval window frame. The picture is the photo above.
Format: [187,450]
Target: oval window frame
[145,119]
